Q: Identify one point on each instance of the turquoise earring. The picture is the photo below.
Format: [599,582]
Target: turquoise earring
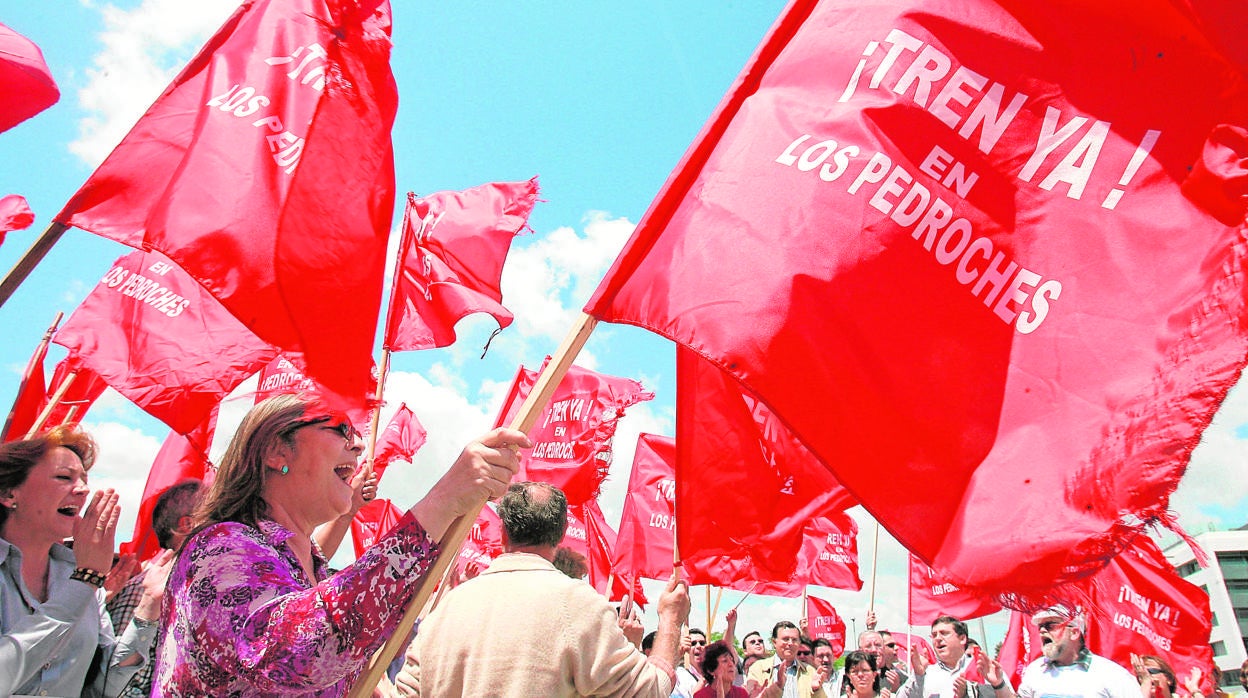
[285,469]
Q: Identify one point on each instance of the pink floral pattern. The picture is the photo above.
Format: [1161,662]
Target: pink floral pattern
[242,619]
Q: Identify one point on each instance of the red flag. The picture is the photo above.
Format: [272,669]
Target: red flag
[85,389]
[644,545]
[823,622]
[15,213]
[281,377]
[483,544]
[767,485]
[1141,606]
[263,168]
[600,551]
[284,376]
[179,459]
[32,396]
[932,597]
[400,440]
[828,557]
[161,340]
[373,521]
[1021,646]
[572,437]
[453,248]
[949,245]
[28,84]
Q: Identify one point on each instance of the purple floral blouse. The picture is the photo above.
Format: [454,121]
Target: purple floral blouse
[241,618]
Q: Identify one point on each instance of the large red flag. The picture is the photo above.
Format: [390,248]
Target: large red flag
[1021,646]
[86,388]
[644,545]
[766,485]
[180,458]
[26,84]
[572,437]
[822,621]
[162,340]
[265,170]
[400,440]
[32,396]
[453,248]
[932,597]
[1140,605]
[948,243]
[373,521]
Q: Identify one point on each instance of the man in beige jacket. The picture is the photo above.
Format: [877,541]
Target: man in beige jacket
[522,628]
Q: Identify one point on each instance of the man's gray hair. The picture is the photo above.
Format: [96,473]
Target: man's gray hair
[533,514]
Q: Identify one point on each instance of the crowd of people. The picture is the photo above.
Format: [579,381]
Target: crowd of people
[242,602]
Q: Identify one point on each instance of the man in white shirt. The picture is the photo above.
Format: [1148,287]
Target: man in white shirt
[945,678]
[1067,668]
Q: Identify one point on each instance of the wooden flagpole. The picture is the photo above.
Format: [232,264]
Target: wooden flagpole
[747,595]
[709,619]
[371,450]
[52,403]
[455,536]
[39,350]
[35,254]
[875,557]
[719,594]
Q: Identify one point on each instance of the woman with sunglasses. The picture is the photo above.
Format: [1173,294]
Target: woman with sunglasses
[251,606]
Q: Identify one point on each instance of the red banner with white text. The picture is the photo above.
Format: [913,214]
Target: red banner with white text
[266,171]
[955,244]
[823,622]
[572,437]
[373,521]
[644,545]
[160,339]
[932,597]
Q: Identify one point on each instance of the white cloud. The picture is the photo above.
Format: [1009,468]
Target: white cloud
[124,460]
[548,280]
[1214,478]
[142,50]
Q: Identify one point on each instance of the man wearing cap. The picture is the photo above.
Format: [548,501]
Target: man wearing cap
[1067,668]
[946,677]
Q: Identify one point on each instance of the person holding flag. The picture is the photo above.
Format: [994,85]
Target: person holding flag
[253,609]
[946,677]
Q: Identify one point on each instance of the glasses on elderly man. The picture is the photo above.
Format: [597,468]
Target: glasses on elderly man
[1050,626]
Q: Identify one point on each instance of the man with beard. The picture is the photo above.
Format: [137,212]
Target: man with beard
[782,674]
[944,679]
[1067,667]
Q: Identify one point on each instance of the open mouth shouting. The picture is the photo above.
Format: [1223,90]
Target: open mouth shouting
[345,471]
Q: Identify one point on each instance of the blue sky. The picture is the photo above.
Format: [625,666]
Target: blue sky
[599,99]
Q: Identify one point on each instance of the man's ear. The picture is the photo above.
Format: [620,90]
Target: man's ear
[7,498]
[185,525]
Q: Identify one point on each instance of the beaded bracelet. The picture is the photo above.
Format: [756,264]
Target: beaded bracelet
[89,576]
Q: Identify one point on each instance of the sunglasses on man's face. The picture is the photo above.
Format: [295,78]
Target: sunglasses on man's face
[1050,626]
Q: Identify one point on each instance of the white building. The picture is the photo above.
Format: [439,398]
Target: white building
[1226,582]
